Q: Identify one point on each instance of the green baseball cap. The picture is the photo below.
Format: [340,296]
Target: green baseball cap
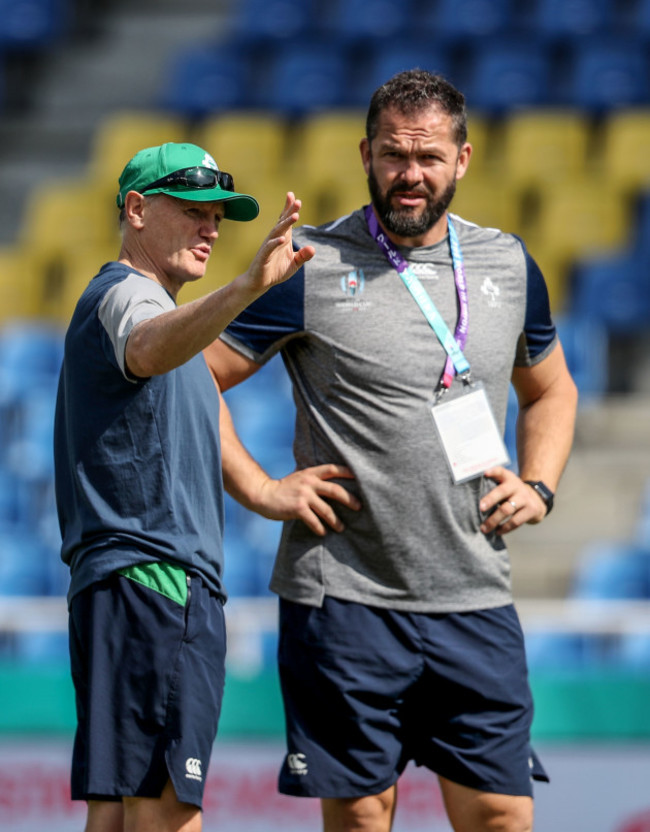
[185,171]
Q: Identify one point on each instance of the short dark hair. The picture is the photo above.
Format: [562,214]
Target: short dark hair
[412,92]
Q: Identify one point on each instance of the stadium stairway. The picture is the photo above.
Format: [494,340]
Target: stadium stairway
[599,499]
[115,65]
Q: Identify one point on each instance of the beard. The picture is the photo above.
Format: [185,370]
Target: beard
[403,222]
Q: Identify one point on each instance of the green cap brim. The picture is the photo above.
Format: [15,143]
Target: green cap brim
[239,207]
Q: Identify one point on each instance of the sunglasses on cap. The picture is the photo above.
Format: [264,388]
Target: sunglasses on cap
[194,179]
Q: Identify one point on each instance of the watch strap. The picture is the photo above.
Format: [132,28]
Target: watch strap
[544,492]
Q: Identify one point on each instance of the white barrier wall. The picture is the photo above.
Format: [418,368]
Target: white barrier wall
[595,788]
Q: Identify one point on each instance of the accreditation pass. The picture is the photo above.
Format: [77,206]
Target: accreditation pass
[469,434]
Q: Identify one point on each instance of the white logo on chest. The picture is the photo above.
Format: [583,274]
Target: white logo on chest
[491,292]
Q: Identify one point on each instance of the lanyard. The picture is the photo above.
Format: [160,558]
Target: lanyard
[453,344]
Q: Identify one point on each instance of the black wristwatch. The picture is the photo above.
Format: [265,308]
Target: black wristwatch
[544,492]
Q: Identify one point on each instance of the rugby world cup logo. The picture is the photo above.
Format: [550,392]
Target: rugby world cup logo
[353,282]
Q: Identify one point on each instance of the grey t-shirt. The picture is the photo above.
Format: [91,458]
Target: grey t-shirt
[364,364]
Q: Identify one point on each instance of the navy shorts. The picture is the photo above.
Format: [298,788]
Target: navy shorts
[366,690]
[149,677]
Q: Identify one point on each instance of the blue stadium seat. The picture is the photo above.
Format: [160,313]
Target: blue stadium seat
[641,231]
[612,291]
[637,18]
[306,77]
[201,81]
[606,73]
[613,571]
[361,21]
[559,651]
[384,61]
[29,25]
[454,21]
[29,452]
[510,434]
[240,567]
[585,343]
[30,354]
[571,19]
[257,22]
[42,648]
[23,564]
[506,74]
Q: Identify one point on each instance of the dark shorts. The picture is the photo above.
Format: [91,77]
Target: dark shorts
[149,674]
[366,690]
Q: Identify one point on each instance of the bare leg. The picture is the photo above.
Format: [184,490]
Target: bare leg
[105,816]
[373,813]
[470,810]
[161,814]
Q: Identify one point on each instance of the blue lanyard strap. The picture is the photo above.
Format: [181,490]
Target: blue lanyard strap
[452,344]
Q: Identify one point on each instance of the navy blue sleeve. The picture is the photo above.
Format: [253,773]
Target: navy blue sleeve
[539,330]
[271,319]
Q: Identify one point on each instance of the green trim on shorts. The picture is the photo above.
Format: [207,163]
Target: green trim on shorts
[168,579]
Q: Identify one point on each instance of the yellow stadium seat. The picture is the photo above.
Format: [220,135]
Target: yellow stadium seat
[121,135]
[324,149]
[479,136]
[20,284]
[251,146]
[623,152]
[582,218]
[489,201]
[543,146]
[66,213]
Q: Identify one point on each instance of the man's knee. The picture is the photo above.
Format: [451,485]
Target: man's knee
[372,813]
[470,810]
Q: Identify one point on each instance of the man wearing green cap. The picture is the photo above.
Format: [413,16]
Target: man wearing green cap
[139,491]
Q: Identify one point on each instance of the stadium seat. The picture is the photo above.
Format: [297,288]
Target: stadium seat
[585,344]
[567,20]
[29,453]
[488,200]
[120,135]
[541,146]
[362,21]
[42,648]
[614,292]
[31,353]
[23,567]
[306,77]
[32,25]
[258,22]
[612,571]
[381,61]
[454,21]
[622,153]
[562,652]
[68,212]
[637,18]
[325,148]
[507,74]
[580,218]
[200,81]
[20,284]
[510,431]
[605,74]
[640,241]
[252,145]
